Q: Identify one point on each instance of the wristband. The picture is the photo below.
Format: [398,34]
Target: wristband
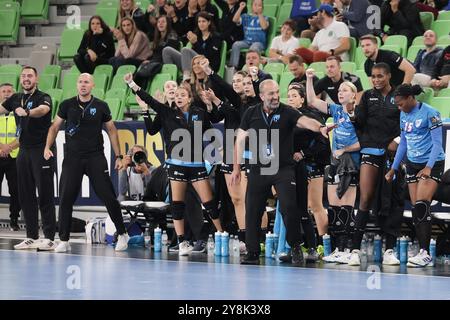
[131,84]
[119,157]
[27,111]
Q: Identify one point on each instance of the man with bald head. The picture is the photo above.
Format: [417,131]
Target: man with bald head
[426,60]
[32,110]
[266,125]
[84,117]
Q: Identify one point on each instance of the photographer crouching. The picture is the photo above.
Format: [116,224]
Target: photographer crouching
[135,175]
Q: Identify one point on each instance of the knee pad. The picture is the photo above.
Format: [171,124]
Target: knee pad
[342,221]
[421,212]
[361,220]
[177,208]
[332,217]
[212,209]
[347,214]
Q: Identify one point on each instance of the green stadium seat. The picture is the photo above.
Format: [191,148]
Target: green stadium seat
[270,10]
[392,47]
[398,40]
[304,42]
[69,85]
[444,41]
[55,70]
[74,70]
[320,74]
[360,59]
[108,14]
[98,93]
[418,41]
[444,15]
[70,41]
[57,97]
[9,17]
[46,82]
[427,19]
[441,27]
[143,4]
[444,93]
[170,69]
[105,69]
[271,33]
[101,81]
[284,12]
[275,76]
[412,52]
[131,103]
[11,78]
[285,79]
[34,11]
[158,82]
[273,2]
[115,106]
[11,68]
[426,95]
[122,70]
[276,67]
[442,104]
[318,66]
[348,66]
[223,59]
[288,2]
[109,4]
[365,80]
[119,93]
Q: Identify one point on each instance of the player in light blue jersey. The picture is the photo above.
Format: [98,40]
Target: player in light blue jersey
[421,142]
[345,147]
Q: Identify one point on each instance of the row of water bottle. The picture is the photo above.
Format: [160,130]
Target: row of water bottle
[160,240]
[223,245]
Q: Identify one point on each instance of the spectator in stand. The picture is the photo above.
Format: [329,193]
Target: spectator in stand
[96,47]
[128,8]
[252,67]
[179,14]
[204,42]
[154,11]
[332,40]
[133,45]
[255,27]
[230,31]
[207,6]
[355,14]
[314,27]
[441,74]
[402,71]
[297,68]
[426,60]
[335,77]
[403,18]
[283,46]
[301,12]
[164,37]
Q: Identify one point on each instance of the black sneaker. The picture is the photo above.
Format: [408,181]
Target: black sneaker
[14,225]
[174,248]
[297,255]
[312,255]
[199,247]
[251,258]
[285,257]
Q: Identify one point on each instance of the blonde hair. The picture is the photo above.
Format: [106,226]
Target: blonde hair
[352,88]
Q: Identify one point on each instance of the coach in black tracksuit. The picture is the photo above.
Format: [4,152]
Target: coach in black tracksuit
[271,116]
[84,116]
[32,110]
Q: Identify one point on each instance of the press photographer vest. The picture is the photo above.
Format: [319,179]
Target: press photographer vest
[8,132]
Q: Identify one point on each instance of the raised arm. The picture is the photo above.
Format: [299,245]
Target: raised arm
[313,101]
[148,99]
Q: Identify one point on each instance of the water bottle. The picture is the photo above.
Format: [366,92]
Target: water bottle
[225,244]
[157,239]
[210,245]
[364,249]
[410,249]
[269,245]
[416,248]
[164,240]
[403,250]
[231,245]
[433,252]
[370,248]
[326,244]
[217,244]
[377,248]
[148,239]
[397,249]
[275,244]
[236,249]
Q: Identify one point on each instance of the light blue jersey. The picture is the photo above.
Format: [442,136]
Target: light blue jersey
[253,32]
[417,126]
[345,134]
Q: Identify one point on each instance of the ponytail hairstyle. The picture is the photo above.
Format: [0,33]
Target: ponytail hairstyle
[407,90]
[352,88]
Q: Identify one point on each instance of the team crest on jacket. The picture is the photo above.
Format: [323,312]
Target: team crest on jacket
[194,117]
[276,118]
[93,111]
[418,123]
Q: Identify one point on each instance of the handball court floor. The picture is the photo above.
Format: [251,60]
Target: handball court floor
[91,272]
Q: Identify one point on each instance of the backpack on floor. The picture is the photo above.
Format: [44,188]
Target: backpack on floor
[95,231]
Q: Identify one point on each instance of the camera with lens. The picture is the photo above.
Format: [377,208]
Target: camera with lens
[139,157]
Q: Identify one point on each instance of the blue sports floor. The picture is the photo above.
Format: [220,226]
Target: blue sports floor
[97,272]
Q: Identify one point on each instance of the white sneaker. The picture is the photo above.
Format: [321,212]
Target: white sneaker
[242,248]
[27,244]
[333,256]
[47,245]
[122,242]
[390,259]
[355,258]
[344,257]
[185,248]
[422,259]
[63,246]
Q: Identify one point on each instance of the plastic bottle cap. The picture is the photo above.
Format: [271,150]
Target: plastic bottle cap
[225,234]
